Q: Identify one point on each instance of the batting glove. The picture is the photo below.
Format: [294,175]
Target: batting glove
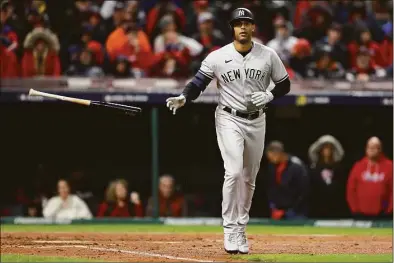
[175,103]
[260,98]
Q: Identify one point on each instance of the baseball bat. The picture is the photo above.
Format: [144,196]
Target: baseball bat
[126,108]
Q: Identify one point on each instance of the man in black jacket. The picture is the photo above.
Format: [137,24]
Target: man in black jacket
[287,183]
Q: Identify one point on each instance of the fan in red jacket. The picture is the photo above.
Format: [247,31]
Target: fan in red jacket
[40,57]
[8,62]
[365,40]
[370,183]
[118,203]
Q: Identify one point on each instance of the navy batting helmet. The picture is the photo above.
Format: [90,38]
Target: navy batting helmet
[241,14]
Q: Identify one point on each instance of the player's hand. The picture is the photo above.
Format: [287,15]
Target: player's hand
[260,98]
[175,103]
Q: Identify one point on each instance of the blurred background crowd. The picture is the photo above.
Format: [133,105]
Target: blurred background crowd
[338,39]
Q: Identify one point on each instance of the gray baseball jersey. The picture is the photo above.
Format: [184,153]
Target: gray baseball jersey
[241,141]
[238,76]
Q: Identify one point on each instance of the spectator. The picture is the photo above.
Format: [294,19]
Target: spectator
[115,20]
[208,36]
[267,13]
[8,60]
[287,183]
[93,45]
[341,11]
[361,17]
[325,66]
[66,205]
[130,41]
[170,36]
[197,8]
[11,25]
[173,51]
[301,57]
[333,41]
[119,203]
[171,204]
[136,13]
[315,21]
[365,40]
[122,68]
[370,183]
[328,180]
[10,37]
[40,56]
[33,210]
[86,66]
[365,69]
[96,23]
[37,17]
[163,8]
[284,42]
[386,46]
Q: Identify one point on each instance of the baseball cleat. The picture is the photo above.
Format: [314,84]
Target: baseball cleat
[242,242]
[230,243]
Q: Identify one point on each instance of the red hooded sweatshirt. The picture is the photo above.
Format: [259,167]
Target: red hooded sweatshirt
[370,187]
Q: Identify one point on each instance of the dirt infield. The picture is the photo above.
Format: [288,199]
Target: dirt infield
[183,247]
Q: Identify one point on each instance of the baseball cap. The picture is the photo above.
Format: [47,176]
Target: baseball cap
[275,146]
[205,16]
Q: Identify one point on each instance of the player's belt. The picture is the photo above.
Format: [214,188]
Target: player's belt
[246,115]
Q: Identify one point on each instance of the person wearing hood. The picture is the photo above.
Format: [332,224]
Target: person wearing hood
[370,183]
[40,55]
[284,42]
[328,179]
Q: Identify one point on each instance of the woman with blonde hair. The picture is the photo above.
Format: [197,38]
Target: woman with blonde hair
[118,203]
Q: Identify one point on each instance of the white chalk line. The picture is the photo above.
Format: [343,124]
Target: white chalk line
[92,242]
[62,241]
[138,253]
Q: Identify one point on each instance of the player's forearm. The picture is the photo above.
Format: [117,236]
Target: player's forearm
[195,87]
[281,89]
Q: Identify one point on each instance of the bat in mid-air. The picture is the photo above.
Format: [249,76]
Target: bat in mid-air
[130,110]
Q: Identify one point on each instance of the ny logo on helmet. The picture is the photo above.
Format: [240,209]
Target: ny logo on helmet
[241,12]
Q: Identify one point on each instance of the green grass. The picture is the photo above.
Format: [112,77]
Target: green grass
[317,258]
[32,258]
[282,230]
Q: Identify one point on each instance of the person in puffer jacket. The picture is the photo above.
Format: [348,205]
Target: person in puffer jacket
[370,184]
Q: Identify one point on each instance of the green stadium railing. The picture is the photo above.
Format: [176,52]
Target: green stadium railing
[197,221]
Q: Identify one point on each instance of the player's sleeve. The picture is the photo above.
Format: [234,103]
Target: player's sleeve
[201,80]
[278,72]
[279,76]
[208,66]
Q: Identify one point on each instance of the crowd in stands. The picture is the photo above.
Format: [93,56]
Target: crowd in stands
[320,188]
[341,39]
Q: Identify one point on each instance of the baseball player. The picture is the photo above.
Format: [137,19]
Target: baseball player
[243,70]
